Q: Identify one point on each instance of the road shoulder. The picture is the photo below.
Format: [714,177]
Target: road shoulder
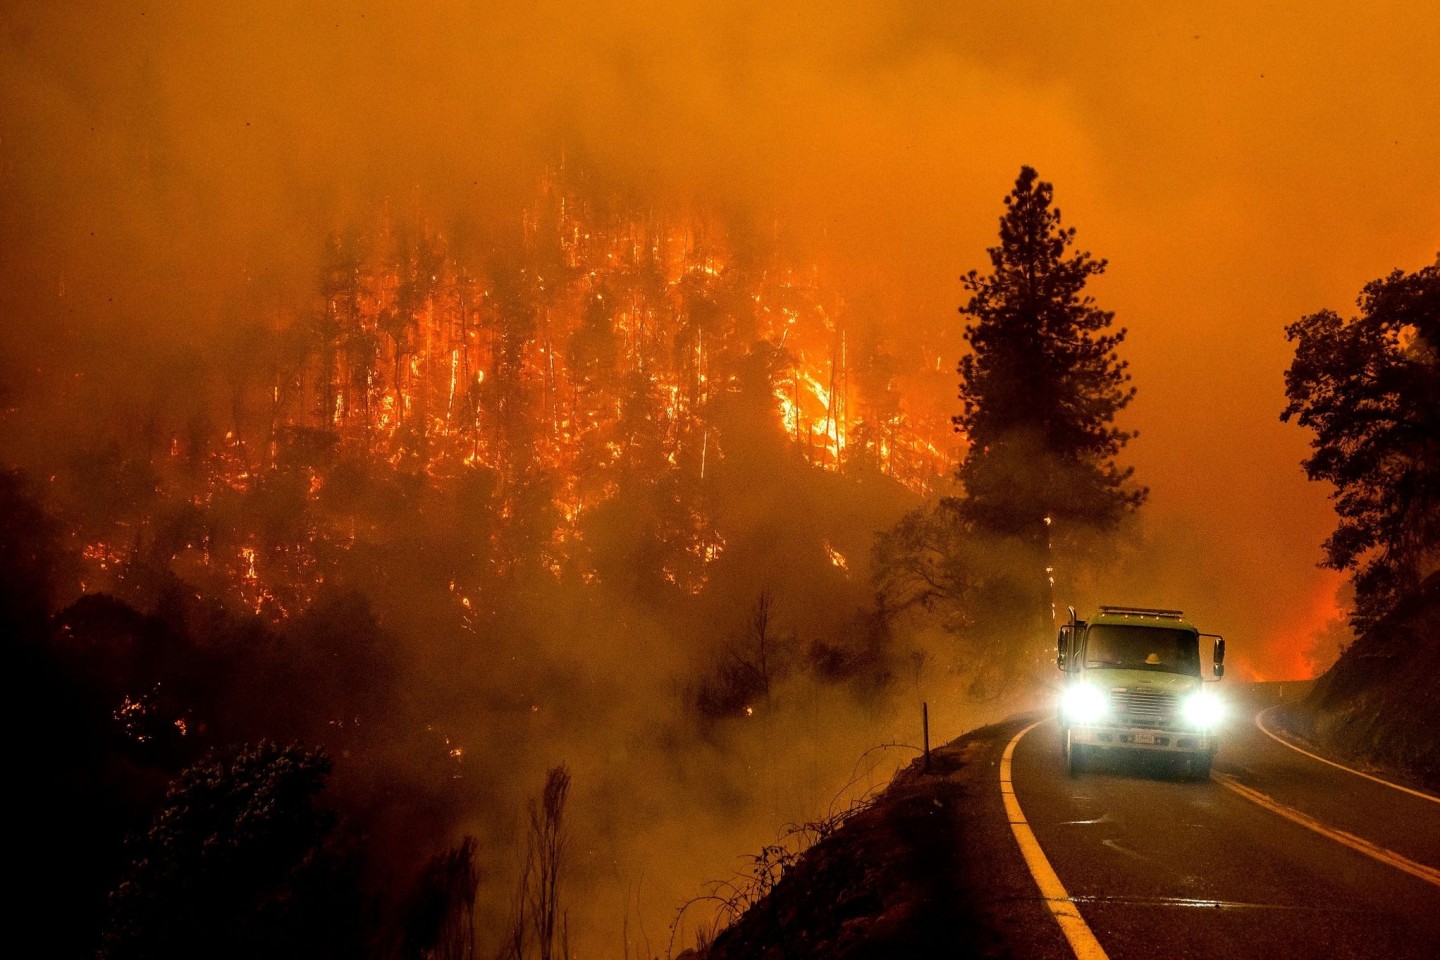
[931,870]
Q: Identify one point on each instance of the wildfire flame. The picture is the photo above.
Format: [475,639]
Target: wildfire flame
[440,364]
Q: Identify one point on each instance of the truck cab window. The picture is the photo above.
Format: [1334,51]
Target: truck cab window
[1143,648]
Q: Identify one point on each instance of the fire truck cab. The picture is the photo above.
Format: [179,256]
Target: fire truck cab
[1133,684]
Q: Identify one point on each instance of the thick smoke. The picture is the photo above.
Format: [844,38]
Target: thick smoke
[166,167]
[171,174]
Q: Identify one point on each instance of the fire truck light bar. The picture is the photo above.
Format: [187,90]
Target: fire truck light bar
[1140,612]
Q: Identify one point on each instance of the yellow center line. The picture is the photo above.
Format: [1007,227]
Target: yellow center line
[1390,857]
[1052,891]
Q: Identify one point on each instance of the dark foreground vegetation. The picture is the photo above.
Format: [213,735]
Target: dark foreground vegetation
[887,883]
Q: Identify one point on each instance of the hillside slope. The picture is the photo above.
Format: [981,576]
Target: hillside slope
[1379,705]
[891,882]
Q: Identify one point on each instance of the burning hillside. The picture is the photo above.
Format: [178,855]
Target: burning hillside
[488,497]
[598,349]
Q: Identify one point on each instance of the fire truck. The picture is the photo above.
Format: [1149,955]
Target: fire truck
[1133,684]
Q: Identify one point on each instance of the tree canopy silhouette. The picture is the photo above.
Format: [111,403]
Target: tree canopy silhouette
[1043,382]
[237,864]
[1041,387]
[1369,388]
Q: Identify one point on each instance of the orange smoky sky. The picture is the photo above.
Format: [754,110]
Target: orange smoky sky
[1239,164]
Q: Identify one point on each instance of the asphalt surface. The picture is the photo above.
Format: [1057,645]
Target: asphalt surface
[1161,866]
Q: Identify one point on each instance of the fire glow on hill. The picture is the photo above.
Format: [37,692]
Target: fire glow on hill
[599,348]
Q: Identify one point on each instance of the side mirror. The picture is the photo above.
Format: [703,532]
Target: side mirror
[1062,648]
[1219,656]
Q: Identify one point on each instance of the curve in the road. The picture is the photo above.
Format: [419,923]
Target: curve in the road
[1372,850]
[1064,908]
[1057,899]
[1260,722]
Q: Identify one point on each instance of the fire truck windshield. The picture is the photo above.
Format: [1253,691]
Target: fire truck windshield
[1143,648]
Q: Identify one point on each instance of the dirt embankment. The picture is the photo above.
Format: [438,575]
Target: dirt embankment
[893,880]
[890,882]
[1379,705]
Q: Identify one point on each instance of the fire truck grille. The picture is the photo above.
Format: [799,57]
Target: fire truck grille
[1144,707]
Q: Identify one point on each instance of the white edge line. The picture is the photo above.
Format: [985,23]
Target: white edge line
[1339,766]
[1060,904]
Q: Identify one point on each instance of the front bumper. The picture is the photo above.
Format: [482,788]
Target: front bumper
[1144,738]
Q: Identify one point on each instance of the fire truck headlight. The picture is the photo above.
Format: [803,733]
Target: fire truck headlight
[1203,709]
[1083,704]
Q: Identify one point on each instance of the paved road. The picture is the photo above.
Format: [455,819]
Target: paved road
[1294,858]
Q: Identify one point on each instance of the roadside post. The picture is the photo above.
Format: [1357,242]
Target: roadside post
[925,728]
